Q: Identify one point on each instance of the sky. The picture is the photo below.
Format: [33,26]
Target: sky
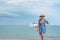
[24,12]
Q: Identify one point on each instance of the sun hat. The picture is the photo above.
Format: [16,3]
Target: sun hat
[42,15]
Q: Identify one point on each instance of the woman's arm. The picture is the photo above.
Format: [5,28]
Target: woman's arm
[38,23]
[47,22]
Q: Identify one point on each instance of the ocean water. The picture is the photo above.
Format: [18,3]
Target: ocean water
[24,31]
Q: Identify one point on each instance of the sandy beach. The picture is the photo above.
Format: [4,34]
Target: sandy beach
[33,39]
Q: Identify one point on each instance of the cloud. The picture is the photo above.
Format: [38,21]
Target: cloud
[10,5]
[15,2]
[4,11]
[29,8]
[34,7]
[51,2]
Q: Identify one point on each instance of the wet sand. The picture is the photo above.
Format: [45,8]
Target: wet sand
[33,39]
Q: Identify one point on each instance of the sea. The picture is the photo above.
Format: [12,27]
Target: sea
[24,32]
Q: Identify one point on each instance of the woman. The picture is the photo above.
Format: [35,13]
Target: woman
[42,26]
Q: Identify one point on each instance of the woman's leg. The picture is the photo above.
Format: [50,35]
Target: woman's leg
[42,36]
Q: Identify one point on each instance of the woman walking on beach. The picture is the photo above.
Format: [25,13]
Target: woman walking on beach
[42,25]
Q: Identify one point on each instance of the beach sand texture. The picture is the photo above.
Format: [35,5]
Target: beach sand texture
[33,39]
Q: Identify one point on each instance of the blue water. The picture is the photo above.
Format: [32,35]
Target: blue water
[18,31]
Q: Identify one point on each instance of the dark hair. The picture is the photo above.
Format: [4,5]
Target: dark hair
[42,16]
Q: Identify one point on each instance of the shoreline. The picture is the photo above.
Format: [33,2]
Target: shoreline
[34,39]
